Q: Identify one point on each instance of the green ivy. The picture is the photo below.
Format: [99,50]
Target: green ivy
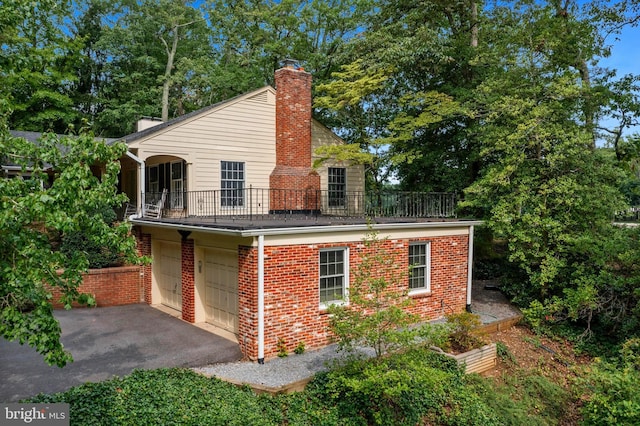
[165,396]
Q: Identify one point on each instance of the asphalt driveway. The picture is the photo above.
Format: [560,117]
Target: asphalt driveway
[107,342]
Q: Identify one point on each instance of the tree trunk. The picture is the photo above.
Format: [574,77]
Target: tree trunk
[166,86]
[474,23]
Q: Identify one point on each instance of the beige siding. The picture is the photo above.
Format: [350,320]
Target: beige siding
[320,135]
[239,130]
[242,130]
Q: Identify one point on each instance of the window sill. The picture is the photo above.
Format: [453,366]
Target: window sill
[324,308]
[417,294]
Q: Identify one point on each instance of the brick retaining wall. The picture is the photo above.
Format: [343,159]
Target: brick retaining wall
[110,286]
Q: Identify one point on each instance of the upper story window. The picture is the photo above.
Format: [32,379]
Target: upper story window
[337,186]
[334,273]
[420,267]
[232,183]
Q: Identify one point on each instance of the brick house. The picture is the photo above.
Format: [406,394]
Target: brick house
[254,240]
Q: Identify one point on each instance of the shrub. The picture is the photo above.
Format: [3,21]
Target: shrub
[461,327]
[414,387]
[613,389]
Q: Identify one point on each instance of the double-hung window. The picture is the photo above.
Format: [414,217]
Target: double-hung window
[337,186]
[232,183]
[334,273]
[419,267]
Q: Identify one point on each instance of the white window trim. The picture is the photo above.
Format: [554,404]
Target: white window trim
[427,288]
[342,191]
[243,190]
[325,305]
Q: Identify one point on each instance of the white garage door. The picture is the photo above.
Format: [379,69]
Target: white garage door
[221,288]
[168,272]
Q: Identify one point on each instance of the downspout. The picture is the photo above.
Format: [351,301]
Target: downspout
[142,177]
[260,299]
[470,269]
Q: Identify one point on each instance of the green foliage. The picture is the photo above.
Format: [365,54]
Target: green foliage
[98,256]
[37,61]
[299,349]
[601,290]
[414,387]
[546,189]
[434,334]
[167,396]
[282,348]
[505,354]
[375,315]
[461,328]
[611,389]
[524,398]
[417,386]
[35,213]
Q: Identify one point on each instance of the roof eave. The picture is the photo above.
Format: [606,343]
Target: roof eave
[307,229]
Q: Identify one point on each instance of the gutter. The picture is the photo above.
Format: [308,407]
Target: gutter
[261,299]
[470,269]
[141,174]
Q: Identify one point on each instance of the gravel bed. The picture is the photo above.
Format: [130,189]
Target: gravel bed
[490,304]
[278,371]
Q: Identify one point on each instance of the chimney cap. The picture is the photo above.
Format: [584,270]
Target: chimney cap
[291,63]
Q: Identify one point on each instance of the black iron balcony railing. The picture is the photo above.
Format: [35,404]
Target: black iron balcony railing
[253,203]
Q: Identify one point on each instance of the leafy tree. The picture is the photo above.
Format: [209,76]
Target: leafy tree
[36,66]
[153,49]
[35,213]
[253,37]
[375,315]
[545,188]
[403,94]
[89,24]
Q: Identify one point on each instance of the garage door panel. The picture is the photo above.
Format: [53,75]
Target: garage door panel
[168,265]
[221,289]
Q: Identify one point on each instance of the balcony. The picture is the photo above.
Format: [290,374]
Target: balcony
[255,204]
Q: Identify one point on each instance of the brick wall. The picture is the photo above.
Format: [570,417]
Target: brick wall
[188,282]
[292,302]
[293,117]
[248,301]
[110,286]
[295,182]
[144,249]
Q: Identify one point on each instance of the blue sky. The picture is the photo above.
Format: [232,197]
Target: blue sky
[624,57]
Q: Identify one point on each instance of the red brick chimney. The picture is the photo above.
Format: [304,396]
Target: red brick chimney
[294,185]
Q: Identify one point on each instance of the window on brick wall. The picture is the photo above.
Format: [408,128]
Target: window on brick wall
[232,183]
[337,186]
[419,267]
[334,273]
